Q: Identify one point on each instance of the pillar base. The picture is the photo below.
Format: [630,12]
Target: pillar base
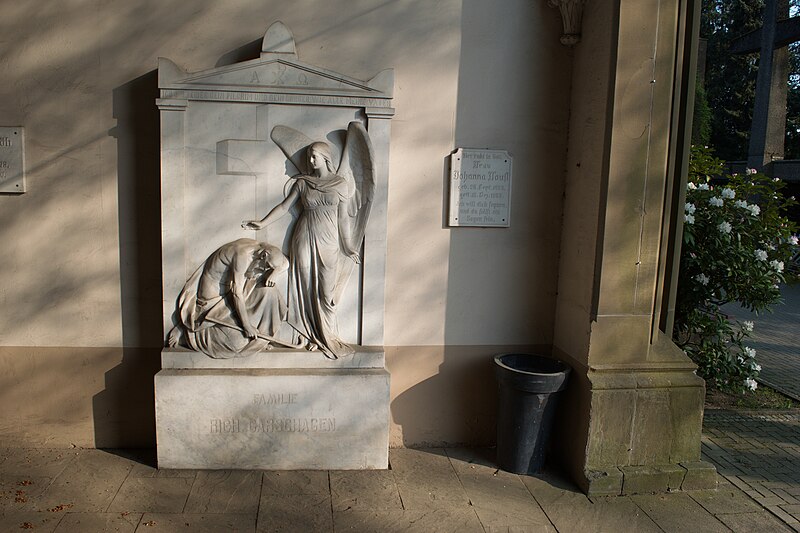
[642,425]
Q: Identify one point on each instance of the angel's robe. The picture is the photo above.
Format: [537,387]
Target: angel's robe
[314,256]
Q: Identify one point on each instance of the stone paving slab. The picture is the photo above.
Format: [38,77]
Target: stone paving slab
[678,512]
[152,494]
[750,522]
[88,483]
[20,492]
[500,499]
[364,490]
[570,510]
[295,482]
[225,491]
[426,479]
[37,462]
[295,512]
[99,523]
[196,523]
[402,521]
[28,520]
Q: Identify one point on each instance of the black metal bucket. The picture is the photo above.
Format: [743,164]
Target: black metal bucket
[527,402]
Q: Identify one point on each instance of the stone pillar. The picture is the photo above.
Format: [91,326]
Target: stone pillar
[760,130]
[635,404]
[173,114]
[778,92]
[373,306]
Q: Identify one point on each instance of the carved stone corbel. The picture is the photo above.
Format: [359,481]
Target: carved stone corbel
[571,15]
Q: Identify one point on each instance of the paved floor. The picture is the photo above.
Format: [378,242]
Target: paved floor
[452,490]
[759,451]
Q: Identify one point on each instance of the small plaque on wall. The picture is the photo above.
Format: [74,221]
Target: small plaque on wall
[480,188]
[12,160]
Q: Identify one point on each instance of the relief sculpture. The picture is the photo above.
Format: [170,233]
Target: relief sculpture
[231,306]
[335,205]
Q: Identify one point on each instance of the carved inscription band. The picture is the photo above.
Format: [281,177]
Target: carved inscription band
[272,425]
[270,98]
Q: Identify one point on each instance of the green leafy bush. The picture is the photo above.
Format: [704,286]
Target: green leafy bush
[737,243]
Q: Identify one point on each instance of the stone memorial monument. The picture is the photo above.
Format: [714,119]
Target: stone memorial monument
[274,180]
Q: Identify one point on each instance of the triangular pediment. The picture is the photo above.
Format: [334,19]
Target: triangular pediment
[273,75]
[277,76]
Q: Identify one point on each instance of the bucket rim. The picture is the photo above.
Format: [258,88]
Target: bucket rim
[565,368]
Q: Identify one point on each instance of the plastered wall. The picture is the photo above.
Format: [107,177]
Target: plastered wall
[81,264]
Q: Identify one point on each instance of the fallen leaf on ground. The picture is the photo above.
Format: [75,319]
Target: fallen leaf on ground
[59,508]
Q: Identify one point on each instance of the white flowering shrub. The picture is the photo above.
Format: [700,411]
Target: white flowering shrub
[736,243]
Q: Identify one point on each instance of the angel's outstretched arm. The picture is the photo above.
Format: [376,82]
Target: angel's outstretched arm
[277,212]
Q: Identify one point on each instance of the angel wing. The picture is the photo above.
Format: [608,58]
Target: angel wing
[293,144]
[356,166]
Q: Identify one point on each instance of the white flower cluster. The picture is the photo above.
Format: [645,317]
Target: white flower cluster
[750,171]
[751,384]
[702,279]
[716,201]
[688,217]
[703,187]
[761,254]
[793,240]
[730,194]
[777,265]
[753,208]
[748,326]
[749,352]
[757,367]
[724,227]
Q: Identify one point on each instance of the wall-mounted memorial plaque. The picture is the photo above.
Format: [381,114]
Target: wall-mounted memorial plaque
[480,188]
[12,160]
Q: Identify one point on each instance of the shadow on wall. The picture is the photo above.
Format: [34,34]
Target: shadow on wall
[455,406]
[139,198]
[124,411]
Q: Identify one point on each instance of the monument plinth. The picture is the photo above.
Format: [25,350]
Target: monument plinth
[280,410]
[274,189]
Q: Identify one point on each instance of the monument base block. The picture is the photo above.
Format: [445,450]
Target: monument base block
[256,413]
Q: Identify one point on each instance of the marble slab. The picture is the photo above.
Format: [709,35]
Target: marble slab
[480,188]
[12,159]
[272,418]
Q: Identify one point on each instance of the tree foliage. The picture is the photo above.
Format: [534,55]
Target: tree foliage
[737,243]
[730,80]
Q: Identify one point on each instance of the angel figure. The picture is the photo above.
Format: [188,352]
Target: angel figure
[328,234]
